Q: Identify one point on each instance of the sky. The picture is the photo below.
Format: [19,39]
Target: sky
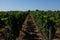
[23,5]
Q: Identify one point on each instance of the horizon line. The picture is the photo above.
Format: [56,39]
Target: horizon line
[30,10]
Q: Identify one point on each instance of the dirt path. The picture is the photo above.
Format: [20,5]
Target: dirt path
[30,30]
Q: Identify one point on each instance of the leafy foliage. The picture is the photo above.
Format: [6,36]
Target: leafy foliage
[15,20]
